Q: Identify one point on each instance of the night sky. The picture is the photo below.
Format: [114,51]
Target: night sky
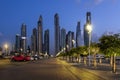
[105,16]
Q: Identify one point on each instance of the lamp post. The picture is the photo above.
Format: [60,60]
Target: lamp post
[73,41]
[64,49]
[89,30]
[6,49]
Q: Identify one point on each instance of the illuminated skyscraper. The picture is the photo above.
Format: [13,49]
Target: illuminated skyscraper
[40,35]
[78,35]
[17,42]
[23,38]
[73,40]
[69,40]
[34,41]
[57,33]
[86,34]
[46,41]
[63,39]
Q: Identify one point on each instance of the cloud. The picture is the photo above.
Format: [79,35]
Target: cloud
[98,1]
[78,1]
[114,1]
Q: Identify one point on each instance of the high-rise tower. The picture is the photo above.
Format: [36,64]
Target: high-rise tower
[23,38]
[87,35]
[78,35]
[70,40]
[46,41]
[34,41]
[57,33]
[88,18]
[17,42]
[63,39]
[40,35]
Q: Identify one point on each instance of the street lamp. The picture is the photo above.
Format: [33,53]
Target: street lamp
[89,29]
[6,48]
[73,41]
[64,49]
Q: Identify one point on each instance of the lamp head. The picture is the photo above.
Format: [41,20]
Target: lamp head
[89,28]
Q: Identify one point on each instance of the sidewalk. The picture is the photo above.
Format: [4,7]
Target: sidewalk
[103,70]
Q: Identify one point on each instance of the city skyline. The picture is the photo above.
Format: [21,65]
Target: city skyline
[105,14]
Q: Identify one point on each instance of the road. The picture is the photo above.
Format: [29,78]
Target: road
[46,69]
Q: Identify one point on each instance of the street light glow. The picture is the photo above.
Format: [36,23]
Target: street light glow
[89,28]
[73,41]
[6,46]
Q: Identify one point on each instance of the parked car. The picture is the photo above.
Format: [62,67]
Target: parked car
[20,58]
[27,58]
[35,57]
[17,58]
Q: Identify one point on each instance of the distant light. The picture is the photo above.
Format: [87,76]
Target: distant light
[89,28]
[17,34]
[73,41]
[23,37]
[6,46]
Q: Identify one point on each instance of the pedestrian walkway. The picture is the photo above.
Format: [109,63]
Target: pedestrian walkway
[103,70]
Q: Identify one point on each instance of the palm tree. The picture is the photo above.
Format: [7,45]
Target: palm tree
[94,50]
[73,53]
[78,51]
[84,52]
[110,45]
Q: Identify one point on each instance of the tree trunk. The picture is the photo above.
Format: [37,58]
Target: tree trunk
[72,58]
[79,60]
[69,59]
[95,64]
[111,60]
[114,63]
[85,62]
[100,60]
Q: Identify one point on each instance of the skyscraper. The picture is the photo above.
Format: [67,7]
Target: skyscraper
[78,35]
[73,40]
[46,41]
[86,34]
[69,40]
[17,42]
[63,39]
[57,33]
[23,38]
[34,41]
[40,35]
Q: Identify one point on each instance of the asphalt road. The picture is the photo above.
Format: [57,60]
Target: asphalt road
[46,69]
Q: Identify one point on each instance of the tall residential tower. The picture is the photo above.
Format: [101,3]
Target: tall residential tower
[87,35]
[57,33]
[78,35]
[46,41]
[23,38]
[34,41]
[40,35]
[17,42]
[63,39]
[70,40]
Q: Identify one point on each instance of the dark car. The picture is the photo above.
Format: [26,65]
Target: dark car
[36,57]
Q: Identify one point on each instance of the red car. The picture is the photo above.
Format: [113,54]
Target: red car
[18,58]
[27,58]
